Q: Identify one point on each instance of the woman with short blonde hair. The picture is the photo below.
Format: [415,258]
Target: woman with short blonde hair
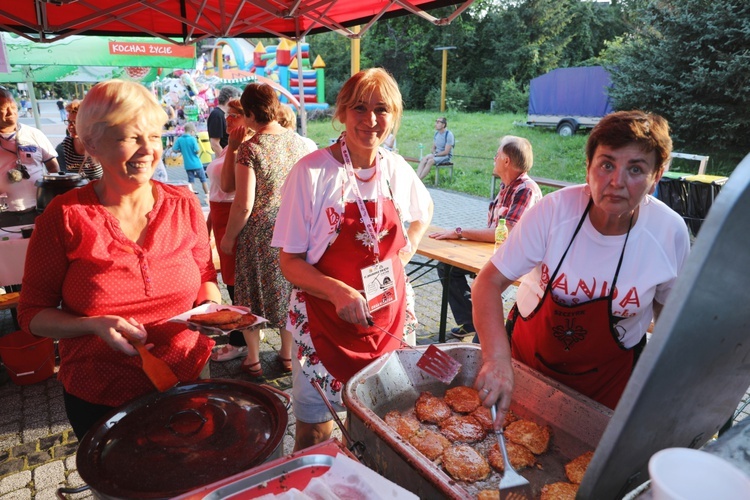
[121,255]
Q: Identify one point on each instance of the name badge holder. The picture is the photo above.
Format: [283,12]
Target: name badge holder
[378,279]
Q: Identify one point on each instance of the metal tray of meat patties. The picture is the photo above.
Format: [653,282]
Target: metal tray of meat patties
[394,382]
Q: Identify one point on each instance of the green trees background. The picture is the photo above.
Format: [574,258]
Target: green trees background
[688,60]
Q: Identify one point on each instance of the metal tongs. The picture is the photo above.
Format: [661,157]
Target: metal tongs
[434,361]
[356,447]
[513,486]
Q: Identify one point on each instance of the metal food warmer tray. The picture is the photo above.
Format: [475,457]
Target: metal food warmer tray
[394,382]
[687,383]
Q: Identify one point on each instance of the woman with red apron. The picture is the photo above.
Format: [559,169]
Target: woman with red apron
[571,324]
[343,245]
[577,344]
[343,347]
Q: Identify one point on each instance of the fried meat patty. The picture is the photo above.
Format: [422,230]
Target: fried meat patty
[463,463]
[484,417]
[429,443]
[462,399]
[245,321]
[488,495]
[406,426]
[518,455]
[462,429]
[216,318]
[576,468]
[529,434]
[431,409]
[559,491]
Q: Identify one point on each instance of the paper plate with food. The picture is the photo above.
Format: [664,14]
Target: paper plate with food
[219,318]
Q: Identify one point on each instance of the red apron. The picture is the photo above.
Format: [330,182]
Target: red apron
[576,345]
[345,348]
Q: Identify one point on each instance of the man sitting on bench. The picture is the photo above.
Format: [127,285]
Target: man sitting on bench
[442,148]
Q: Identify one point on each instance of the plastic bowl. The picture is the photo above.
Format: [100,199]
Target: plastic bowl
[687,474]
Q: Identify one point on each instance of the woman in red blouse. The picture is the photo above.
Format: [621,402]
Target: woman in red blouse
[119,257]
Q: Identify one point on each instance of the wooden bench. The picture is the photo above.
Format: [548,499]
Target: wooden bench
[9,300]
[437,168]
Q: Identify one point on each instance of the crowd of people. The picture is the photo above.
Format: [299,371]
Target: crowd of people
[304,235]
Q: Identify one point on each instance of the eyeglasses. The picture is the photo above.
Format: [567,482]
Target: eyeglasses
[232,115]
[70,122]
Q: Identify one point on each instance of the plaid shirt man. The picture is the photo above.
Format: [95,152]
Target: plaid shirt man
[512,200]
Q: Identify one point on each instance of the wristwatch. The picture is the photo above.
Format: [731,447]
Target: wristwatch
[459,231]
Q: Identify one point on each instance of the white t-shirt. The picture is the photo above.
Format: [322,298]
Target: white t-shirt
[33,150]
[213,171]
[311,145]
[656,251]
[314,193]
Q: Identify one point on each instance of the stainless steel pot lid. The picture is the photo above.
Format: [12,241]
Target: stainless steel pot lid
[63,176]
[164,444]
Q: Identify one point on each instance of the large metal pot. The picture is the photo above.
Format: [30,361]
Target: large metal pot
[165,444]
[50,185]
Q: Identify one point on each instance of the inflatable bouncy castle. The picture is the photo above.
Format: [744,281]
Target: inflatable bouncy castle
[234,60]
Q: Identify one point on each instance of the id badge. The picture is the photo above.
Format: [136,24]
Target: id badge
[379,285]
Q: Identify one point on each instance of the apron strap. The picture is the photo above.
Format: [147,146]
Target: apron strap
[578,228]
[622,255]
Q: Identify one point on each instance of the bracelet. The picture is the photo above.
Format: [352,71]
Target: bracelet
[207,301]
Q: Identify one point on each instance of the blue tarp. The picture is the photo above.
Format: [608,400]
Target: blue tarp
[571,92]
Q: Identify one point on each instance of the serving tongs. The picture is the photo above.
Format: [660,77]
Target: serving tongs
[433,362]
[159,372]
[513,486]
[356,447]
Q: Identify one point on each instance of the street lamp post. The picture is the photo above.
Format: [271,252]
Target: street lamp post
[444,75]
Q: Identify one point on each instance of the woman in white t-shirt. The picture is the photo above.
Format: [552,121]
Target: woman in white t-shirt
[597,263]
[344,245]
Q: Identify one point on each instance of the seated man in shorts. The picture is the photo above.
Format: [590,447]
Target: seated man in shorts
[442,148]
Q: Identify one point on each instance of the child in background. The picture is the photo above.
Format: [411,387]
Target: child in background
[187,144]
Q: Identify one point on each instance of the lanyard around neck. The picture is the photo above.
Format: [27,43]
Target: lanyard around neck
[12,137]
[373,229]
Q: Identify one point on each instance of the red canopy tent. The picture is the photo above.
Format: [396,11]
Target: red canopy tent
[192,20]
[188,21]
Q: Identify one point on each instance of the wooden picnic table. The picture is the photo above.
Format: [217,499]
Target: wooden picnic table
[468,255]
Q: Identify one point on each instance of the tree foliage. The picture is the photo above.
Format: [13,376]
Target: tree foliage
[689,60]
[496,42]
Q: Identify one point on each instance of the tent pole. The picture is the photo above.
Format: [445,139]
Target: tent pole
[301,88]
[301,83]
[355,51]
[32,96]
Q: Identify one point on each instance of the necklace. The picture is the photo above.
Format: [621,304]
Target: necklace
[360,179]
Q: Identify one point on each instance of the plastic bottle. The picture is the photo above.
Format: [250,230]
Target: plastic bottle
[421,149]
[501,233]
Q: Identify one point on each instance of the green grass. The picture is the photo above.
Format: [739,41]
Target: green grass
[477,138]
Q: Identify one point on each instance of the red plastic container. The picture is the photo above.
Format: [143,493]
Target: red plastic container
[27,358]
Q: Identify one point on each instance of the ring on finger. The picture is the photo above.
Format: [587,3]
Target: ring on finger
[486,391]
